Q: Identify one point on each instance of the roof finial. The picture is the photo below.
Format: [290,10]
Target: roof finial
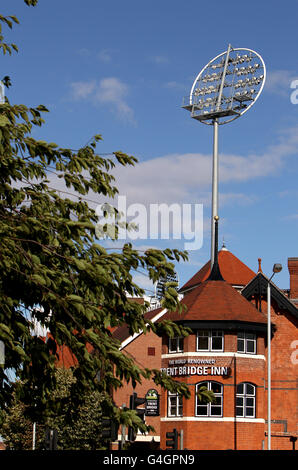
[215,274]
[260,267]
[223,247]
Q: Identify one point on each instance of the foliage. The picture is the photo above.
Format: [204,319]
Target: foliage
[17,429]
[78,428]
[205,396]
[54,272]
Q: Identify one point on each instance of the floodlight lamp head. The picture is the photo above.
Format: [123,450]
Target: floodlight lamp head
[230,93]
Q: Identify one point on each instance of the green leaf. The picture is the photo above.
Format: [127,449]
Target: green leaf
[4,121]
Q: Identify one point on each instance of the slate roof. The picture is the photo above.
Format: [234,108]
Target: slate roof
[258,287]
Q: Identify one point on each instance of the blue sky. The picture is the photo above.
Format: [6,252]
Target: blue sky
[121,69]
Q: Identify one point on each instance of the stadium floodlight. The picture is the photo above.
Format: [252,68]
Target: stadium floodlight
[224,90]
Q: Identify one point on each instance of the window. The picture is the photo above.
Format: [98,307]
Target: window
[246,400]
[151,351]
[212,408]
[246,343]
[210,340]
[175,407]
[176,344]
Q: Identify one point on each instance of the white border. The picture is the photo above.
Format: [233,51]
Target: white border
[133,337]
[212,355]
[142,438]
[227,419]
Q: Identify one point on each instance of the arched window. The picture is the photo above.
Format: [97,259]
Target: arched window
[213,408]
[246,400]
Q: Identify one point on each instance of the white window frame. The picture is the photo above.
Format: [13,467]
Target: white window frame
[245,396]
[210,337]
[246,340]
[176,344]
[178,405]
[210,405]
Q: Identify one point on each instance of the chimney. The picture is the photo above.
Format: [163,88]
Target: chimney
[293,270]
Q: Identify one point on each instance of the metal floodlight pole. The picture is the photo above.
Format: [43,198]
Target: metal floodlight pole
[215,167]
[215,164]
[223,80]
[224,90]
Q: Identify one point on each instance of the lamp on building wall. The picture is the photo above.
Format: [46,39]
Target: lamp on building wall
[276,269]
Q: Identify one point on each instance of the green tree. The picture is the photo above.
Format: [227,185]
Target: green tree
[78,428]
[53,271]
[17,428]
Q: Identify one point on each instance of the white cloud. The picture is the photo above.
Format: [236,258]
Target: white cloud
[240,199]
[104,55]
[173,85]
[279,82]
[109,91]
[186,178]
[159,59]
[143,281]
[112,91]
[81,90]
[288,193]
[84,52]
[291,217]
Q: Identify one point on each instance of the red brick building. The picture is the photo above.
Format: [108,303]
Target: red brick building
[226,353]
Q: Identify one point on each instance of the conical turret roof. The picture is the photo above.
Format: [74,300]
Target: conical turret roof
[234,271]
[216,301]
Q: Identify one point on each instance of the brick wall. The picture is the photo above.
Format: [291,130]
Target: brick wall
[138,350]
[284,380]
[224,432]
[230,433]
